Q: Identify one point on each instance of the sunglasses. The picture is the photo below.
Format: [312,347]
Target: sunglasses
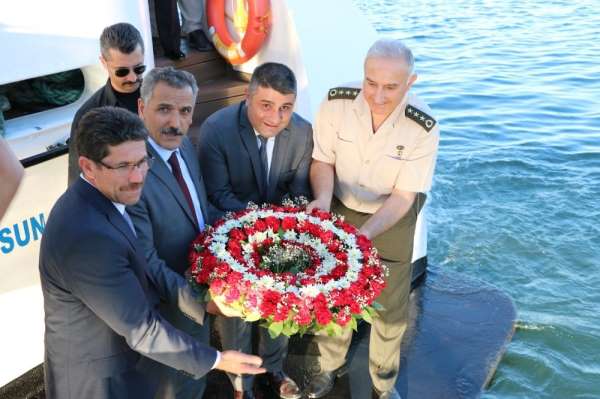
[124,71]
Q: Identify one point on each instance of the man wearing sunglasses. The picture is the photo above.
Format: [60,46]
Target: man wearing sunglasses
[122,55]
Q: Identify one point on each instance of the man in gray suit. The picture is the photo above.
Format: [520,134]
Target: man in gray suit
[173,207]
[258,151]
[104,334]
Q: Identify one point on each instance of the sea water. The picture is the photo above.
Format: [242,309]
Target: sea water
[515,86]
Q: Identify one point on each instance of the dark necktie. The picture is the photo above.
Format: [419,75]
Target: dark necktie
[179,177]
[262,152]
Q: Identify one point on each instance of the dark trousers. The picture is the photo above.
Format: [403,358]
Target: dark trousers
[167,24]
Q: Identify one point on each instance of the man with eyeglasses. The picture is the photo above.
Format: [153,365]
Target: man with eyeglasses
[122,55]
[104,336]
[173,208]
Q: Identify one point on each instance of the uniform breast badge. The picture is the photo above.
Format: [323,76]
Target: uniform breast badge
[399,150]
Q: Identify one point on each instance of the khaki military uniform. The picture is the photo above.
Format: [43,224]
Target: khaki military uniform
[368,166]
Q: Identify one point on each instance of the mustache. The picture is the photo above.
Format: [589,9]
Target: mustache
[134,186]
[131,83]
[171,131]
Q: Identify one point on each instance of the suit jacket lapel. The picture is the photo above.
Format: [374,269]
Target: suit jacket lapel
[279,155]
[191,160]
[248,136]
[106,208]
[161,171]
[118,220]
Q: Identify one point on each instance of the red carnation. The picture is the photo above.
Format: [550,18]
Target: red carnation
[323,315]
[343,317]
[273,223]
[288,223]
[269,303]
[304,317]
[260,225]
[233,294]
[363,243]
[237,235]
[217,286]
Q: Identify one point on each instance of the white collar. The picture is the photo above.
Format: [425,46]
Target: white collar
[120,207]
[161,151]
[258,134]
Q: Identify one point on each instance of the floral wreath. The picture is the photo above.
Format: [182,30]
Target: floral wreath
[299,272]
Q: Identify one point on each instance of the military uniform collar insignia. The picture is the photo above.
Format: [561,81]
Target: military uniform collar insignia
[343,93]
[426,121]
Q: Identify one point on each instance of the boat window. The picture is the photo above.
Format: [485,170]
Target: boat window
[39,94]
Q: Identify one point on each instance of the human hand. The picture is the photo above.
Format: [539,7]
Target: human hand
[321,204]
[240,363]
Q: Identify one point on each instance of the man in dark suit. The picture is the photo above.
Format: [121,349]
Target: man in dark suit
[104,334]
[122,56]
[258,151]
[173,187]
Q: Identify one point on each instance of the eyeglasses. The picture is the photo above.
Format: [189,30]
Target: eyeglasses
[126,168]
[124,71]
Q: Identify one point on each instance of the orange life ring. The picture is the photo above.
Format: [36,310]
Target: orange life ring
[256,30]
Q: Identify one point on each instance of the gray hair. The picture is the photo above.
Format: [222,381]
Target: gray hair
[392,48]
[274,76]
[172,77]
[123,37]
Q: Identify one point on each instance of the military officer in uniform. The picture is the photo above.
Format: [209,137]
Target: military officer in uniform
[374,155]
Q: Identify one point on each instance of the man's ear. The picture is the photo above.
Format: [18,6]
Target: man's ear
[103,61]
[88,168]
[141,106]
[411,79]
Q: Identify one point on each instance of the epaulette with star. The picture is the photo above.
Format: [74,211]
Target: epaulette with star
[426,121]
[343,93]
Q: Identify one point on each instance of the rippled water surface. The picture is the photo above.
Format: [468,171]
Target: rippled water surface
[516,88]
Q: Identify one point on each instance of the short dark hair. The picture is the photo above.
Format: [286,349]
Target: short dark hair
[274,76]
[176,78]
[107,126]
[122,36]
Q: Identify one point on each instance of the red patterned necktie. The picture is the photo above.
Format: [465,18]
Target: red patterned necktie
[174,162]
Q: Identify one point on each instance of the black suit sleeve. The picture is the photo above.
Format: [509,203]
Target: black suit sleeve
[215,170]
[99,272]
[171,286]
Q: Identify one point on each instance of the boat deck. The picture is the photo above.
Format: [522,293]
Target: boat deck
[458,330]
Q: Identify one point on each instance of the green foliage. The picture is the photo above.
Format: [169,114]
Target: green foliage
[275,329]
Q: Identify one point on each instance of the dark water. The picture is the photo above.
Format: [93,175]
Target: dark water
[516,88]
